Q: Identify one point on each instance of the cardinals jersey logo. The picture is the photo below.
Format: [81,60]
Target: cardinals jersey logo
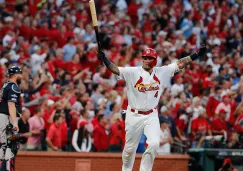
[147,87]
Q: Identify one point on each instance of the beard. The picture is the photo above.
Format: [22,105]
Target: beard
[18,81]
[147,67]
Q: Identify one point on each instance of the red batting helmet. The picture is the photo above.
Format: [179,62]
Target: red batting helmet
[149,52]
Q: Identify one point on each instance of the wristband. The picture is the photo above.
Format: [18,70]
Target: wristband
[194,56]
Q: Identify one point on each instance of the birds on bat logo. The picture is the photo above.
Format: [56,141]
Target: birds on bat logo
[147,87]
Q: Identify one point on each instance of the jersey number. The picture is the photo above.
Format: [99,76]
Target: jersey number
[156,94]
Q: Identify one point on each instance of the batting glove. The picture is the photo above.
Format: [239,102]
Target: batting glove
[202,50]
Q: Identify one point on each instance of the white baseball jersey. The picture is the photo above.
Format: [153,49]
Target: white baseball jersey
[144,89]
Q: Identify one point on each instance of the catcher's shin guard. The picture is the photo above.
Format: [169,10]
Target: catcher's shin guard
[2,150]
[8,165]
[10,159]
[11,150]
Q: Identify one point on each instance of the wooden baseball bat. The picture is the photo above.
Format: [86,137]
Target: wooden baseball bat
[95,24]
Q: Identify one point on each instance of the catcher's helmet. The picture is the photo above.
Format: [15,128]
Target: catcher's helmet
[14,70]
[149,52]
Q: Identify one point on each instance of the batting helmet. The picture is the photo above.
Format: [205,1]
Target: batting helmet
[14,70]
[149,52]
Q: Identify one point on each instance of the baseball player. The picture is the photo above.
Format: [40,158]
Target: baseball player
[144,87]
[10,105]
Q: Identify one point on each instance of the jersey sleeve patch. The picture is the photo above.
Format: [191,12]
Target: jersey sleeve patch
[14,93]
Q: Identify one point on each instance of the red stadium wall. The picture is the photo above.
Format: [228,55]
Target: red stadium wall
[63,161]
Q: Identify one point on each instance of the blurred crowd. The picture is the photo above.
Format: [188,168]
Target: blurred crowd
[72,103]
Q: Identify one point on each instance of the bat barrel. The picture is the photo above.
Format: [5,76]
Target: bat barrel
[93,12]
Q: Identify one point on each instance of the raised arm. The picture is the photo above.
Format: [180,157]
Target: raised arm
[112,67]
[187,60]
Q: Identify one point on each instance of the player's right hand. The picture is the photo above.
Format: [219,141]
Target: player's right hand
[15,127]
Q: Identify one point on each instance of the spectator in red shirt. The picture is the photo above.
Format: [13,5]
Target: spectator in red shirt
[73,122]
[227,165]
[101,139]
[213,101]
[208,81]
[54,135]
[49,114]
[95,121]
[225,104]
[91,57]
[233,104]
[181,123]
[239,123]
[74,66]
[218,125]
[132,11]
[195,79]
[64,130]
[200,128]
[59,62]
[115,141]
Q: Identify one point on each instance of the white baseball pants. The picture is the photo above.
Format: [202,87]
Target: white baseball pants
[3,137]
[135,125]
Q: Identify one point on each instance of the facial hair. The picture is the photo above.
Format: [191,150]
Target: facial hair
[147,68]
[18,81]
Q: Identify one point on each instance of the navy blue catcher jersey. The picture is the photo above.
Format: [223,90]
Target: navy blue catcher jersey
[10,92]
